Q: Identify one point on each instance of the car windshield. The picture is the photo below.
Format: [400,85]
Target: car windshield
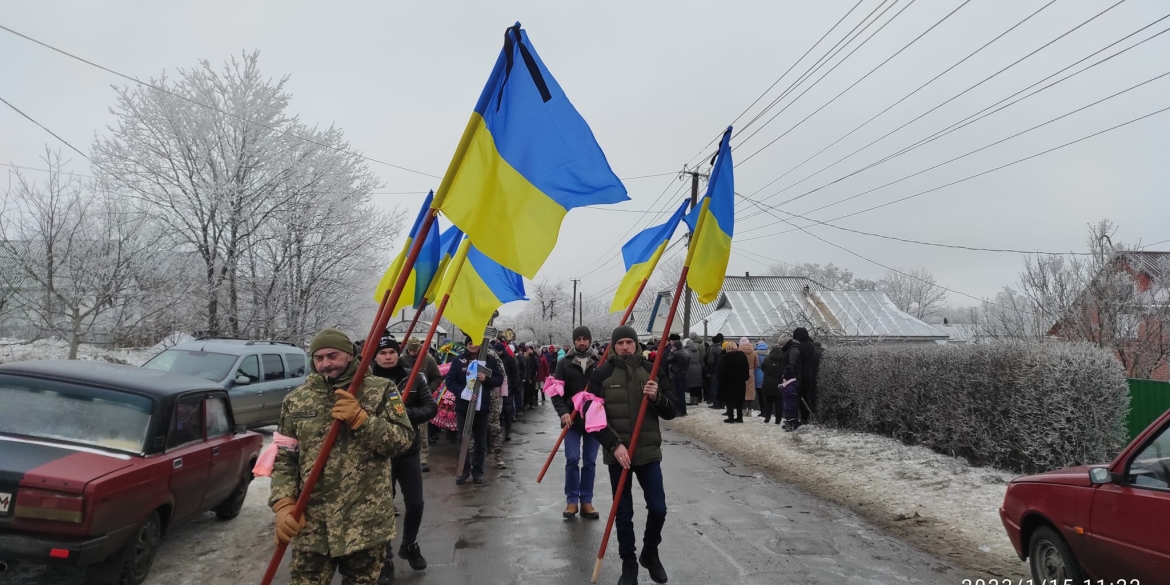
[49,409]
[203,364]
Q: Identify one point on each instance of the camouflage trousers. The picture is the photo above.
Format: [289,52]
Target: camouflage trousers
[426,445]
[359,568]
[495,428]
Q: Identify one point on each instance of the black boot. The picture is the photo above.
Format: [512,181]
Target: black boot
[649,559]
[387,576]
[413,556]
[629,573]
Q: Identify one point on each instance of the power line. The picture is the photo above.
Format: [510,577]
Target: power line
[42,127]
[830,71]
[980,174]
[854,84]
[18,167]
[786,72]
[213,108]
[952,98]
[907,96]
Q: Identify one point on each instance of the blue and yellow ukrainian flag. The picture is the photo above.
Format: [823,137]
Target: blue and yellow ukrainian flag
[713,224]
[525,159]
[425,267]
[481,286]
[448,246]
[641,255]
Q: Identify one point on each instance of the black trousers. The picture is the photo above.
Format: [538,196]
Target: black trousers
[406,471]
[770,405]
[479,436]
[808,398]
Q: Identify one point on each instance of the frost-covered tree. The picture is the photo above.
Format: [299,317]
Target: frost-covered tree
[86,249]
[276,213]
[915,292]
[830,275]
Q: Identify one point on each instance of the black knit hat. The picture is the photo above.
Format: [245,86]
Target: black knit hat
[718,339]
[389,342]
[800,334]
[623,332]
[582,331]
[674,337]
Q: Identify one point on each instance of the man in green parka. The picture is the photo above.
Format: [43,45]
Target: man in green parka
[622,382]
[350,516]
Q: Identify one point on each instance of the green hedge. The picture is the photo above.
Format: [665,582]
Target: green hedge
[1017,406]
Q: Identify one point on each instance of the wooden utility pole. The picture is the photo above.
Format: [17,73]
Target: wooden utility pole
[573,320]
[687,300]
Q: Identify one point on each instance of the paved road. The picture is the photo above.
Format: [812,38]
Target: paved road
[725,524]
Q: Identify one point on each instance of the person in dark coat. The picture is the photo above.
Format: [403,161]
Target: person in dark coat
[733,377]
[678,363]
[406,468]
[773,367]
[714,362]
[580,447]
[806,360]
[694,372]
[625,382]
[456,385]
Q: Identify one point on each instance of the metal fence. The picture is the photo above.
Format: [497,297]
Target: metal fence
[1148,399]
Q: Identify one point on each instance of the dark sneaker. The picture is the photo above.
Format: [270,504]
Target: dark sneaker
[425,468]
[477,478]
[387,576]
[629,573]
[460,480]
[649,559]
[413,556]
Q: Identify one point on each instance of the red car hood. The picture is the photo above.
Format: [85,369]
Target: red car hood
[1074,476]
[55,466]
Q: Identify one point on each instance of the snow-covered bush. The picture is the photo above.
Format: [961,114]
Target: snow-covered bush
[1026,407]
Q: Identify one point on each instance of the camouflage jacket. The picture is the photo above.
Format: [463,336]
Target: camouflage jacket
[351,508]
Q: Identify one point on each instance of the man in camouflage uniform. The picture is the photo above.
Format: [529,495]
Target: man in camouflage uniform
[350,516]
[430,371]
[496,411]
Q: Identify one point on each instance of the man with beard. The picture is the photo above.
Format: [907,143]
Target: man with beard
[354,490]
[624,380]
[580,447]
[407,467]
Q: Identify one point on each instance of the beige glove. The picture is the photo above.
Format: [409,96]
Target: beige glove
[347,409]
[286,526]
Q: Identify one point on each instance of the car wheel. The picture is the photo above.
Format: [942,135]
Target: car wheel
[1051,559]
[231,507]
[141,550]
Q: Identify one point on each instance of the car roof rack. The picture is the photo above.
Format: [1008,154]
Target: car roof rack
[269,342]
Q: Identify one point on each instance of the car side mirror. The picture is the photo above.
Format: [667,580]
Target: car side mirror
[241,429]
[242,380]
[1100,476]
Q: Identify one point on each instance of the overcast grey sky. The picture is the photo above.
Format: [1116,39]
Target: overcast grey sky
[657,81]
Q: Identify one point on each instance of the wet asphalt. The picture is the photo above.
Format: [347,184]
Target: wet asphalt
[725,524]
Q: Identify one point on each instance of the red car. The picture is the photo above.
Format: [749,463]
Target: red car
[98,460]
[1108,524]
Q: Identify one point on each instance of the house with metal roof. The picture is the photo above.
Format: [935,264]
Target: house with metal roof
[762,307]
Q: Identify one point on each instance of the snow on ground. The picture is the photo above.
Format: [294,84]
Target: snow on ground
[15,350]
[941,504]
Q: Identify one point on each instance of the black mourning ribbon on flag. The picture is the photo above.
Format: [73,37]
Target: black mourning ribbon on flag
[529,62]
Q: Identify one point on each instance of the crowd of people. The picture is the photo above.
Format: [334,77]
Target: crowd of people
[388,430]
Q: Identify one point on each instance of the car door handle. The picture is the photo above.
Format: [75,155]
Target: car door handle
[177,463]
[215,450]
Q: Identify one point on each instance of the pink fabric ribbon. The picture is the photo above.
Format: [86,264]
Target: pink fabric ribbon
[267,457]
[595,416]
[554,387]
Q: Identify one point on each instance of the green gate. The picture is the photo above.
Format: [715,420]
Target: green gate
[1148,399]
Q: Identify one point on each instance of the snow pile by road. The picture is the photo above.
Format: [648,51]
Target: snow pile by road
[15,350]
[940,503]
